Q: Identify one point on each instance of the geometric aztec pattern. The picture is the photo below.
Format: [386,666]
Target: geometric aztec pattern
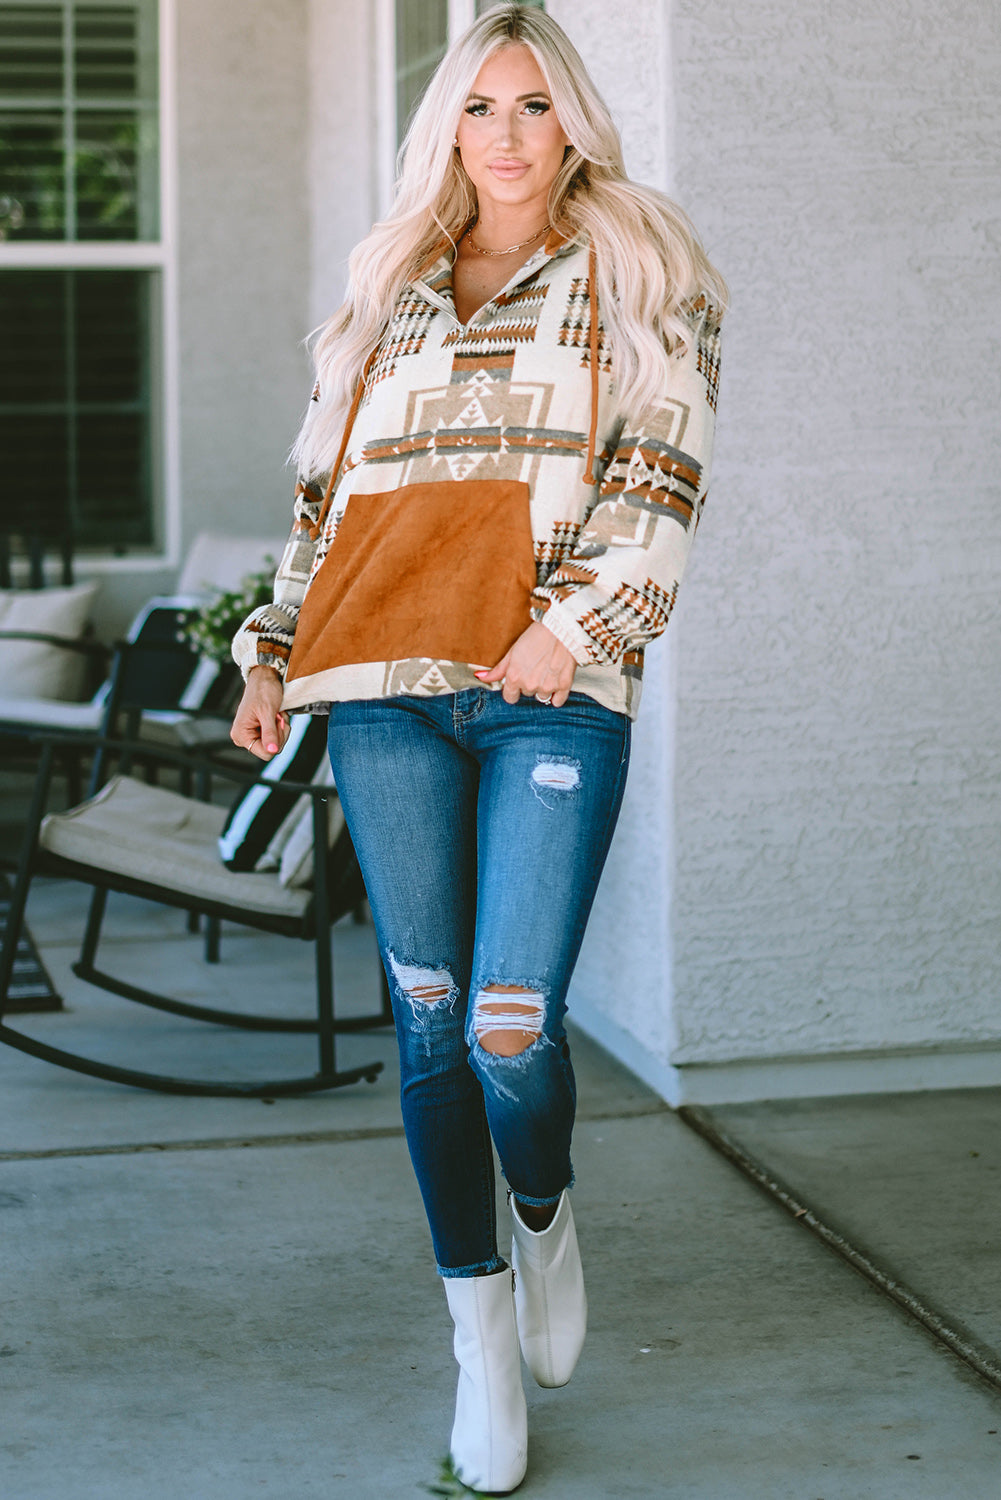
[575,330]
[708,349]
[489,350]
[511,396]
[407,331]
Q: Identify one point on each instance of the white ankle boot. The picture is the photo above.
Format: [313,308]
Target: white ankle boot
[490,1433]
[549,1295]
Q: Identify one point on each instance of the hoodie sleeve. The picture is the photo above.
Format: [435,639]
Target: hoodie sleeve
[265,637]
[615,593]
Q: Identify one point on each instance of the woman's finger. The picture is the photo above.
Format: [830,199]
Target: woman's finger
[494,674]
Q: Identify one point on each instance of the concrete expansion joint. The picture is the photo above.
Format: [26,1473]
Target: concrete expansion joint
[947,1329]
[292,1138]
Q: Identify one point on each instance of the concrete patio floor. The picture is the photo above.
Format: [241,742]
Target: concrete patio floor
[214,1299]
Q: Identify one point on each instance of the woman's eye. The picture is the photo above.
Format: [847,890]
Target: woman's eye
[537,106]
[476,109]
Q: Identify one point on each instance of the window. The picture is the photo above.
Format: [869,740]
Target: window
[421,39]
[81,265]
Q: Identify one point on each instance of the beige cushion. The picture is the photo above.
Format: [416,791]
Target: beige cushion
[221,560]
[172,728]
[34,669]
[167,840]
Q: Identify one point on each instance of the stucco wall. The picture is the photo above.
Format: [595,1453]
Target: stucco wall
[839,717]
[345,92]
[244,232]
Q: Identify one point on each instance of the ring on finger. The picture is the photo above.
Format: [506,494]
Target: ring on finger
[539,698]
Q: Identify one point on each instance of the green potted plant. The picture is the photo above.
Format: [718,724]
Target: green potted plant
[211,629]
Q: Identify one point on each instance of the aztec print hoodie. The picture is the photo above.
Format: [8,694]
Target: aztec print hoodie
[487,479]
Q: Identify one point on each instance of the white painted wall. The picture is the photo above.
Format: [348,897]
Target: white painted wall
[838,884]
[245,254]
[346,132]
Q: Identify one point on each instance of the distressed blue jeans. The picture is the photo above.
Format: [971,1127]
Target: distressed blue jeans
[481,828]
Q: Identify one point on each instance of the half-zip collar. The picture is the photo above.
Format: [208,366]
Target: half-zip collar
[440,261]
[432,274]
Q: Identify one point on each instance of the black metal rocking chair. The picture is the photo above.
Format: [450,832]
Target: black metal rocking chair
[148,841]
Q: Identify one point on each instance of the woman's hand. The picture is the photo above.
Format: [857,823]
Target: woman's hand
[259,725]
[537,666]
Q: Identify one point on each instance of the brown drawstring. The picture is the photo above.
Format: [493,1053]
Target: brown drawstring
[317,526]
[592,308]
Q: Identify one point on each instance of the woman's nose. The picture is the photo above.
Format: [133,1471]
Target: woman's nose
[507,129]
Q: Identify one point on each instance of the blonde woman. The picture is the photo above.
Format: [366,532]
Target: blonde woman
[501,472]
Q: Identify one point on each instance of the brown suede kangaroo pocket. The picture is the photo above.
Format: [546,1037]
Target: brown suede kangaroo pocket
[441,570]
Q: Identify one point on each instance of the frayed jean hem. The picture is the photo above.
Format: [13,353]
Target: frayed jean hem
[541,1202]
[483,1268]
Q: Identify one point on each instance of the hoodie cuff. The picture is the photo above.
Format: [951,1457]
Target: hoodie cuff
[251,650]
[561,623]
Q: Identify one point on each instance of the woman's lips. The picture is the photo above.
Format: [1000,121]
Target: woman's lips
[508,168]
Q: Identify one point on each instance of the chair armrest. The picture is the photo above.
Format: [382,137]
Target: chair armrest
[95,649]
[192,761]
[126,648]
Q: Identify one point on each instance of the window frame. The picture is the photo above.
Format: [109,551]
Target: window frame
[158,256]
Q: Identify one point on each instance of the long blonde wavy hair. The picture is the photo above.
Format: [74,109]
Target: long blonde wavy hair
[651,266]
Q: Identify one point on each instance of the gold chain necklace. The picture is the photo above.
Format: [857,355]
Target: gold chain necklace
[480,250]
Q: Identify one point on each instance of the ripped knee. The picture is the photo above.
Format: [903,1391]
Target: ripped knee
[507,1018]
[555,777]
[426,989]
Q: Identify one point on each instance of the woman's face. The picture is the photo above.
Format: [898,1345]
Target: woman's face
[510,141]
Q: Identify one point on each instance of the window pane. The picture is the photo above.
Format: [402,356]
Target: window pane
[107,171]
[110,313]
[31,50]
[421,38]
[111,454]
[78,121]
[106,59]
[32,178]
[33,311]
[75,400]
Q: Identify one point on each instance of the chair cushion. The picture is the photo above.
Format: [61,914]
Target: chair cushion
[254,824]
[148,833]
[221,559]
[173,729]
[37,669]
